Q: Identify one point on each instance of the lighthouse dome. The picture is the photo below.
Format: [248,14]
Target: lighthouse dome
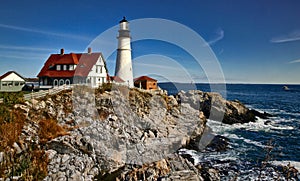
[123,20]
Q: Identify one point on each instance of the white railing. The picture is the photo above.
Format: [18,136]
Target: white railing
[40,94]
[43,93]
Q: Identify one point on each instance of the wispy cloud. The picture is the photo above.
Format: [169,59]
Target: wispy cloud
[155,66]
[31,30]
[219,36]
[295,61]
[292,36]
[10,47]
[21,57]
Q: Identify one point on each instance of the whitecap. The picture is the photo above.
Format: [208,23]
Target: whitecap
[259,125]
[286,162]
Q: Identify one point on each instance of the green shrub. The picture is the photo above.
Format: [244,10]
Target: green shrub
[12,98]
[104,87]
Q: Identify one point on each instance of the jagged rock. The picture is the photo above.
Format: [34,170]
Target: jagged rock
[51,154]
[210,174]
[61,147]
[151,134]
[263,115]
[64,158]
[17,148]
[267,122]
[22,107]
[76,176]
[117,133]
[217,108]
[219,143]
[113,118]
[1,157]
[172,168]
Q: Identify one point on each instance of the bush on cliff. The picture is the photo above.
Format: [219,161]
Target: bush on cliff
[11,124]
[12,98]
[104,87]
[49,129]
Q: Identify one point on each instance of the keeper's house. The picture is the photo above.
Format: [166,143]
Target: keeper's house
[74,68]
[11,82]
[145,82]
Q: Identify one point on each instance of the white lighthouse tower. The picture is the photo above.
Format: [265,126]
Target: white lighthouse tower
[124,63]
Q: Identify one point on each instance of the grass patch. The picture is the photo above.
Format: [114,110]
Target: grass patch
[11,124]
[50,129]
[12,98]
[30,165]
[104,87]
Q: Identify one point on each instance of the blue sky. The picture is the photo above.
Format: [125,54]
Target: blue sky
[254,41]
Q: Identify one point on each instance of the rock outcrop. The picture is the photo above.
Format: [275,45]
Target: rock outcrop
[215,107]
[127,134]
[116,131]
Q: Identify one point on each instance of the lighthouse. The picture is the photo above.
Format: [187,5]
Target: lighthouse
[124,62]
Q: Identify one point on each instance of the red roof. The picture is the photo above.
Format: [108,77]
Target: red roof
[8,73]
[143,78]
[116,79]
[84,62]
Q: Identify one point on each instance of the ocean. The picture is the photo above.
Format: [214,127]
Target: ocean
[249,142]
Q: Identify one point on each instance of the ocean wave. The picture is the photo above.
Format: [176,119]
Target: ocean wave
[277,112]
[199,157]
[295,164]
[256,143]
[259,125]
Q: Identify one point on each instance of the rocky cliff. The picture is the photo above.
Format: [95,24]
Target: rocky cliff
[120,135]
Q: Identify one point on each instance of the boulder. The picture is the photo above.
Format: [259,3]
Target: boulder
[263,115]
[215,107]
[218,144]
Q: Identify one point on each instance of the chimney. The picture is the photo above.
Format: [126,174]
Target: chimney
[89,50]
[62,51]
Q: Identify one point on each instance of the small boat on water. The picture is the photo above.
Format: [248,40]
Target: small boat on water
[286,88]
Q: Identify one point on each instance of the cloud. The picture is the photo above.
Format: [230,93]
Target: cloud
[26,48]
[219,36]
[21,57]
[293,36]
[155,66]
[295,61]
[43,32]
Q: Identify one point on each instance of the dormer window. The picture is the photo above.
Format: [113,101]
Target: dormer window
[51,67]
[58,67]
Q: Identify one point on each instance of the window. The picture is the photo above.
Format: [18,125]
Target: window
[58,67]
[61,82]
[51,67]
[98,69]
[71,67]
[67,82]
[4,84]
[94,80]
[103,79]
[17,83]
[55,82]
[65,67]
